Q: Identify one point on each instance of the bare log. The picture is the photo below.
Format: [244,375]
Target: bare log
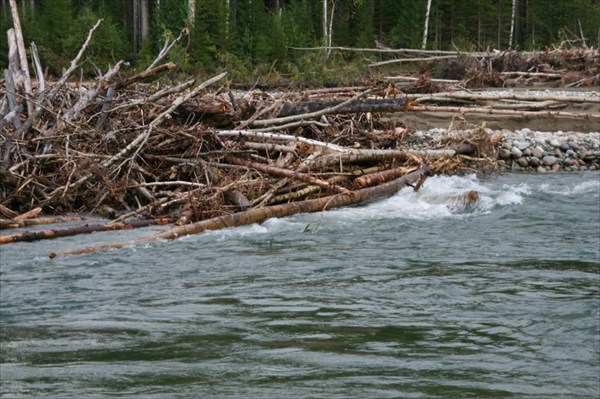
[39,71]
[148,73]
[414,79]
[495,96]
[22,54]
[266,197]
[168,46]
[381,177]
[262,214]
[74,63]
[11,223]
[532,74]
[492,111]
[366,105]
[6,212]
[418,59]
[281,136]
[28,215]
[13,108]
[310,115]
[313,189]
[358,155]
[87,229]
[285,173]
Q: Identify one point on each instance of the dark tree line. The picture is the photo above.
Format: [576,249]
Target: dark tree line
[247,34]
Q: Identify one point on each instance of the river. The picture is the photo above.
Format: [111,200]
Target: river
[399,298]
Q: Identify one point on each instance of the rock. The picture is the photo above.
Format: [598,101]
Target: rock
[584,153]
[565,147]
[525,131]
[527,152]
[541,169]
[573,145]
[537,152]
[534,161]
[549,160]
[504,153]
[555,143]
[516,152]
[556,167]
[570,162]
[523,145]
[523,162]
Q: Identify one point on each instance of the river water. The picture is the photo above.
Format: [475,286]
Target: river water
[399,298]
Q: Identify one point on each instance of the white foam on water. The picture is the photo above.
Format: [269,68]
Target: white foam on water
[591,186]
[432,201]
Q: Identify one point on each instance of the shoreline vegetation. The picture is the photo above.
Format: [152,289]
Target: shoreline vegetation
[205,154]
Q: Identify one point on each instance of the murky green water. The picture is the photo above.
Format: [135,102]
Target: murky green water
[400,298]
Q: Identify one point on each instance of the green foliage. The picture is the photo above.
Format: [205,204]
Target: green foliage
[250,38]
[107,45]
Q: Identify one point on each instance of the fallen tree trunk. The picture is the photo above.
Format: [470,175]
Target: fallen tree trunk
[366,105]
[309,115]
[381,177]
[86,229]
[527,96]
[12,223]
[262,214]
[493,111]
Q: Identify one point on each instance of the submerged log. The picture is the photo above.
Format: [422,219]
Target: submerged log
[262,214]
[86,229]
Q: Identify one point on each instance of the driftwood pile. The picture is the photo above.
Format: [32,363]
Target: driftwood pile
[178,154]
[129,149]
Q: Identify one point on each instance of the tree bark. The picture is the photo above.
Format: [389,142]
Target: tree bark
[87,229]
[22,54]
[140,23]
[512,23]
[424,43]
[192,11]
[325,25]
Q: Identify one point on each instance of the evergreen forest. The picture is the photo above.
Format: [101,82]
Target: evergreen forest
[260,38]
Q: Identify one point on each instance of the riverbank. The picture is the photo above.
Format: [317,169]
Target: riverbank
[527,150]
[532,143]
